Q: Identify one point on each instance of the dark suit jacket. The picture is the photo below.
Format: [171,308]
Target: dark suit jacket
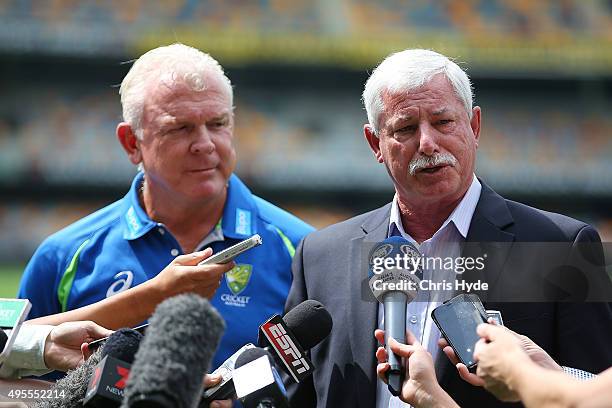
[327,267]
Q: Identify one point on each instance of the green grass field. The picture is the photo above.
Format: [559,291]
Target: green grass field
[9,280]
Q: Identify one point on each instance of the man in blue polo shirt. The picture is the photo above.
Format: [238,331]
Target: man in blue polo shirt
[115,265]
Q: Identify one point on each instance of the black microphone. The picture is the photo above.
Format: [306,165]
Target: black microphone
[286,338]
[257,381]
[107,384]
[121,345]
[174,356]
[394,278]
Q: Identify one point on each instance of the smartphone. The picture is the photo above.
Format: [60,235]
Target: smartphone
[457,320]
[12,314]
[97,343]
[496,316]
[225,389]
[228,254]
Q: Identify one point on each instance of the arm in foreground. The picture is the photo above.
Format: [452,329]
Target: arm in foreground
[501,359]
[135,305]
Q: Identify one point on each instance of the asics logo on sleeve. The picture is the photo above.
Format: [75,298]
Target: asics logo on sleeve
[125,282]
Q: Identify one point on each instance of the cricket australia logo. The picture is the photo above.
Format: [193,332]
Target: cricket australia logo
[237,280]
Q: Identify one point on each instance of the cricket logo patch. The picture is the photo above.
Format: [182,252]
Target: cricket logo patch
[238,278]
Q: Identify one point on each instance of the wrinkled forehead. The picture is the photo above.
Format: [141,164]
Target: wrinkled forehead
[169,92]
[167,85]
[168,104]
[434,95]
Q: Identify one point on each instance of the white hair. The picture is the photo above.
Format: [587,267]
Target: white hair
[408,70]
[176,63]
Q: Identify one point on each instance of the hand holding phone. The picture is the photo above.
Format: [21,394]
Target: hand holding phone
[457,320]
[228,254]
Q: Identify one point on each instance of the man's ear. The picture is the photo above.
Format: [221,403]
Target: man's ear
[475,123]
[129,142]
[373,141]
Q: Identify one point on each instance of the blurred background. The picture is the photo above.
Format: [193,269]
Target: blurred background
[542,72]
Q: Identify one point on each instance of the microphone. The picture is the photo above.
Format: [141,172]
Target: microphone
[302,328]
[394,280]
[174,356]
[73,386]
[286,338]
[106,387]
[257,381]
[121,345]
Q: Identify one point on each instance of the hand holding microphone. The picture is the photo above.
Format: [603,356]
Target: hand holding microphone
[394,279]
[121,345]
[420,387]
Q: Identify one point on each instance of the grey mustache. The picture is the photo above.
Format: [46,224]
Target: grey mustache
[438,159]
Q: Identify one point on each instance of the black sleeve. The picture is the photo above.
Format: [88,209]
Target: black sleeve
[585,327]
[303,394]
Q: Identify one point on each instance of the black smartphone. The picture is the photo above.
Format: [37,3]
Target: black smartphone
[97,343]
[457,319]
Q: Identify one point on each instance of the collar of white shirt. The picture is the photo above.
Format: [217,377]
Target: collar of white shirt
[446,239]
[461,216]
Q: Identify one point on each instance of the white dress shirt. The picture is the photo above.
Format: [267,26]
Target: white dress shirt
[446,242]
[27,353]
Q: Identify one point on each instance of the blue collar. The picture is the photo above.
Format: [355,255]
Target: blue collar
[239,214]
[135,220]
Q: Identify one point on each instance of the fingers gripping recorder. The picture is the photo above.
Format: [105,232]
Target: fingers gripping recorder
[394,277]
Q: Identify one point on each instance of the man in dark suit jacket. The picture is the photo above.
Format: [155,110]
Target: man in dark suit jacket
[423,128]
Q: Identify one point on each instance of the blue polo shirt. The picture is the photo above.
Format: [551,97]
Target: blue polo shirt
[119,247]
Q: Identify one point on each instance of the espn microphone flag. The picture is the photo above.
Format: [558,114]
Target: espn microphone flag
[309,324]
[287,348]
[302,328]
